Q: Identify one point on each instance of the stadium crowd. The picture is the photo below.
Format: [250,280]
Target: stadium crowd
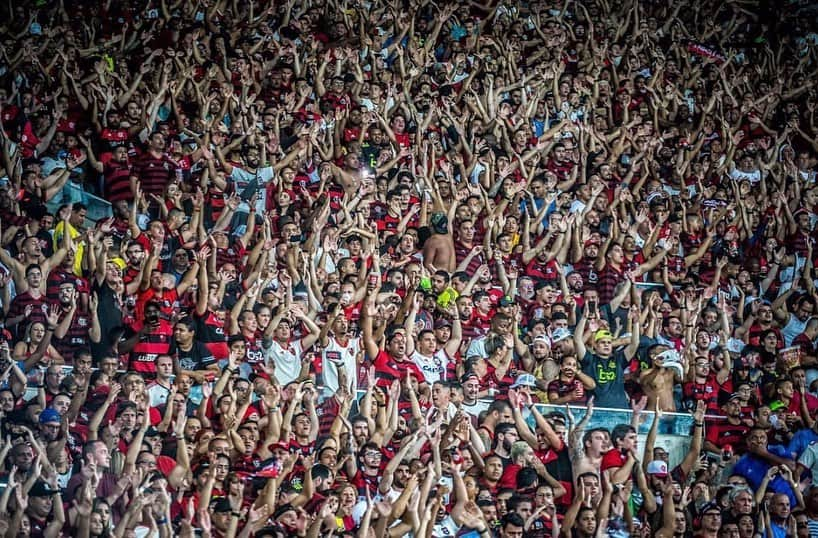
[354,246]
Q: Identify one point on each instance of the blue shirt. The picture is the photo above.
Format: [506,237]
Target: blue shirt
[800,441]
[754,469]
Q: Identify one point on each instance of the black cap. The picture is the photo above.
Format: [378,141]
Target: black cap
[440,223]
[283,509]
[41,489]
[221,505]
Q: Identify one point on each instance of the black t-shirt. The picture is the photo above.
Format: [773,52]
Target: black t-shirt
[110,315]
[197,357]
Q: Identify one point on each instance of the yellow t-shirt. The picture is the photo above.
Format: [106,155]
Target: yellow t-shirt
[58,231]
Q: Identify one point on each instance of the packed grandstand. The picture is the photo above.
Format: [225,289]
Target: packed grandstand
[368,268]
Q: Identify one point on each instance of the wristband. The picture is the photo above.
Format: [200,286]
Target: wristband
[235,514]
[162,521]
[699,424]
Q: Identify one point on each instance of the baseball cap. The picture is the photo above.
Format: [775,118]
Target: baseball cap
[602,334]
[49,415]
[658,468]
[119,262]
[41,489]
[709,507]
[525,380]
[442,322]
[221,505]
[560,334]
[283,509]
[542,338]
[440,223]
[777,405]
[467,376]
[506,301]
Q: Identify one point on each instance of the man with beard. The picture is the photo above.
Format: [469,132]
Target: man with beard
[360,429]
[586,262]
[759,321]
[505,435]
[367,469]
[499,412]
[252,178]
[76,328]
[571,285]
[730,431]
[153,338]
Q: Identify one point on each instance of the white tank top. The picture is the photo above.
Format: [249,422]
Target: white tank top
[336,356]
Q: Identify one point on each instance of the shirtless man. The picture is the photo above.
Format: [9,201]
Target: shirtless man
[31,252]
[438,250]
[589,446]
[595,443]
[658,380]
[354,172]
